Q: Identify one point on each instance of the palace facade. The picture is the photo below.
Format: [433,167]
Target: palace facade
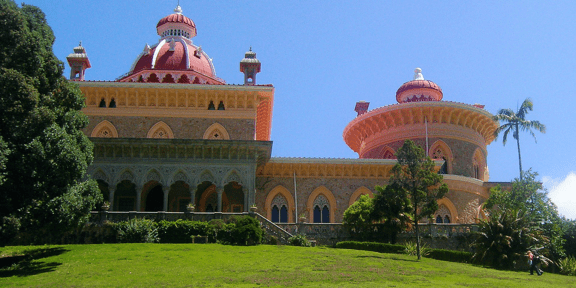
[169,132]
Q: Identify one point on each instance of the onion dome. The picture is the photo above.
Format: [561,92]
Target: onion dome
[419,90]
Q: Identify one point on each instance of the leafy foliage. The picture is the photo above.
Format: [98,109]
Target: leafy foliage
[357,218]
[43,152]
[568,266]
[505,238]
[411,248]
[181,231]
[241,230]
[393,207]
[415,185]
[137,231]
[299,240]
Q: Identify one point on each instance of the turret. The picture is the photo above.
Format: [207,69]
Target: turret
[250,66]
[78,62]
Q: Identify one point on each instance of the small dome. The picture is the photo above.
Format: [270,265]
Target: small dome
[419,90]
[176,23]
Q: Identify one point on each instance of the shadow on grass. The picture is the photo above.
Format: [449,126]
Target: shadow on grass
[380,257]
[25,265]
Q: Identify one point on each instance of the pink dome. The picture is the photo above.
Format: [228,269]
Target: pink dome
[419,90]
[176,18]
[183,57]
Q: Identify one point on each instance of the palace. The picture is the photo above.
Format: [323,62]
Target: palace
[169,132]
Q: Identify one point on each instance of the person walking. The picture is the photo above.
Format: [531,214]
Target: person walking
[534,260]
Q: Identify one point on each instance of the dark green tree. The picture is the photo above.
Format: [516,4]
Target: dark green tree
[44,154]
[515,122]
[392,206]
[414,177]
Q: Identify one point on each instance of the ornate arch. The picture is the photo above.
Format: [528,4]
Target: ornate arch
[440,150]
[179,176]
[387,153]
[329,196]
[101,175]
[450,206]
[287,195]
[359,192]
[127,175]
[154,175]
[104,129]
[216,132]
[479,169]
[233,176]
[160,130]
[207,176]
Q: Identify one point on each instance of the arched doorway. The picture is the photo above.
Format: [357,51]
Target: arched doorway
[235,196]
[103,186]
[125,196]
[155,199]
[178,197]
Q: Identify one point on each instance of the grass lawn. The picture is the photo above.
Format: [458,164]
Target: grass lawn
[213,265]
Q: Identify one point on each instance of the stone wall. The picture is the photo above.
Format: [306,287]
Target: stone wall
[183,128]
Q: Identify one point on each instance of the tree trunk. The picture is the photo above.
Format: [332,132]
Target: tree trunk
[417,231]
[519,157]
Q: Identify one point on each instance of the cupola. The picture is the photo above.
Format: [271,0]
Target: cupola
[418,90]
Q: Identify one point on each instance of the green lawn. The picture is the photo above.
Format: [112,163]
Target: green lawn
[213,265]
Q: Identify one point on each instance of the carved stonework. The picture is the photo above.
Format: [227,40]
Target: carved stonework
[321,201]
[279,201]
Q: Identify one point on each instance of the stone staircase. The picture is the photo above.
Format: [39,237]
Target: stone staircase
[273,229]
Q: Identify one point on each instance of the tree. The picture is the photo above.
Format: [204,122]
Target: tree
[357,218]
[516,121]
[44,154]
[414,176]
[528,197]
[392,205]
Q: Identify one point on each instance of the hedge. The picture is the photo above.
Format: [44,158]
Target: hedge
[372,246]
[450,255]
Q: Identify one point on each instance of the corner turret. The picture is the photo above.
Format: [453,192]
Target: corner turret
[250,66]
[78,62]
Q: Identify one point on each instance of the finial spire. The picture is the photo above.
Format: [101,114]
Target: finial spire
[178,9]
[80,43]
[418,74]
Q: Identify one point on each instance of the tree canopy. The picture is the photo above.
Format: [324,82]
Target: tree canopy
[43,152]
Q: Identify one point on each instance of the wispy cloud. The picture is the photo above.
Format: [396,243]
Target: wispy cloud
[563,193]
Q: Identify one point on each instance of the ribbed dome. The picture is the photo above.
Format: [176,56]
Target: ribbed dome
[176,18]
[176,25]
[419,90]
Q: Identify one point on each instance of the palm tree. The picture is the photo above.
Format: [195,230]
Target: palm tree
[514,122]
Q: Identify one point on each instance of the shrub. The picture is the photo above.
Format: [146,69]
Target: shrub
[450,255]
[180,231]
[411,249]
[372,246]
[299,240]
[245,231]
[137,231]
[568,266]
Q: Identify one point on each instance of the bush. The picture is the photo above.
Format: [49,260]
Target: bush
[411,249]
[245,230]
[450,255]
[372,246]
[181,231]
[299,240]
[568,266]
[137,231]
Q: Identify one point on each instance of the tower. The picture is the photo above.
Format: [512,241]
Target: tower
[250,66]
[78,62]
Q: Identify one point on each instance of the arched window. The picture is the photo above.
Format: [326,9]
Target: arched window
[325,215]
[440,151]
[102,103]
[321,210]
[439,219]
[112,103]
[317,215]
[446,219]
[275,214]
[216,132]
[160,130]
[104,129]
[283,214]
[221,106]
[211,106]
[478,164]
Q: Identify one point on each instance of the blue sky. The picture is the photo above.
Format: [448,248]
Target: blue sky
[324,56]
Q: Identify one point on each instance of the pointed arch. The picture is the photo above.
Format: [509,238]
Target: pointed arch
[387,153]
[479,170]
[127,175]
[322,190]
[104,129]
[280,190]
[216,132]
[233,176]
[206,176]
[179,176]
[450,206]
[441,151]
[100,175]
[359,192]
[160,130]
[154,175]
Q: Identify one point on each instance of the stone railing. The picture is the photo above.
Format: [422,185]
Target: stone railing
[443,230]
[322,233]
[272,229]
[116,216]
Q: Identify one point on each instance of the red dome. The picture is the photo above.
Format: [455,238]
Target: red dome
[432,92]
[183,57]
[176,18]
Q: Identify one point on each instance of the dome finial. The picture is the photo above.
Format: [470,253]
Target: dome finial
[418,74]
[178,9]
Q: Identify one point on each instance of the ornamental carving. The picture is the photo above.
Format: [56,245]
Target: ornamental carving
[321,201]
[279,201]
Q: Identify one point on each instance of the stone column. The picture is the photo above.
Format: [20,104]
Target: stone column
[193,191]
[246,205]
[111,190]
[138,196]
[220,191]
[165,204]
